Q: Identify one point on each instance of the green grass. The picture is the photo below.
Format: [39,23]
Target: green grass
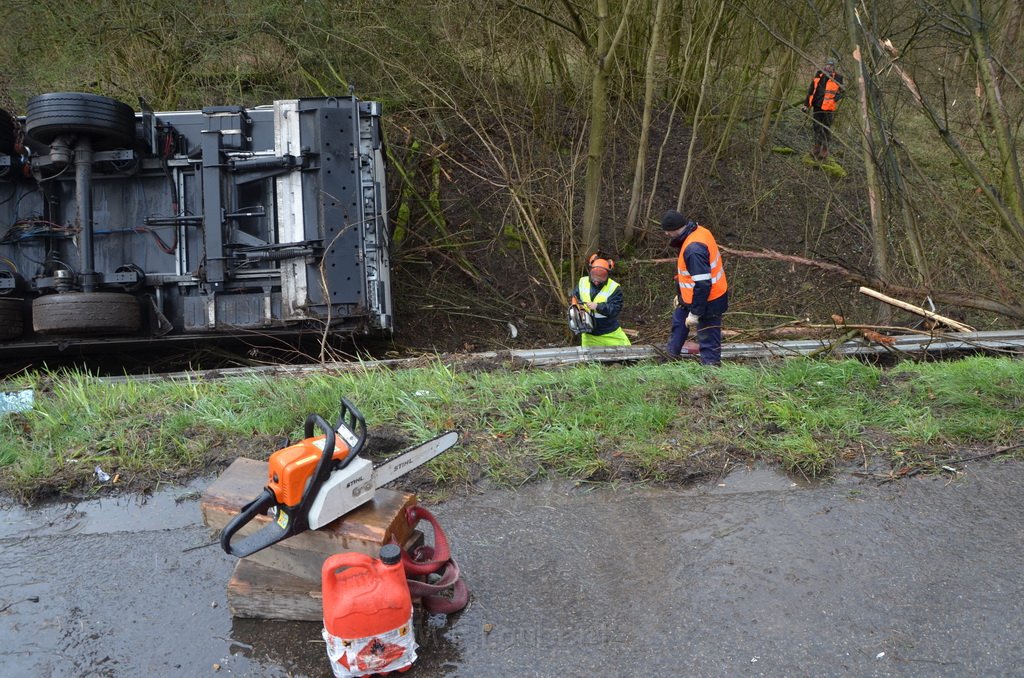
[645,421]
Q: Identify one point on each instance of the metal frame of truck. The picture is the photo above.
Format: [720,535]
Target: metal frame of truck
[123,226]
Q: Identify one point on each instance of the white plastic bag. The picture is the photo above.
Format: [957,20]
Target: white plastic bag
[389,651]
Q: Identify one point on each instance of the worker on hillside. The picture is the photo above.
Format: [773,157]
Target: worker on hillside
[823,95]
[703,293]
[602,298]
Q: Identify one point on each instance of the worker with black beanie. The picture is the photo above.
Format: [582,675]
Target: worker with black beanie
[701,288]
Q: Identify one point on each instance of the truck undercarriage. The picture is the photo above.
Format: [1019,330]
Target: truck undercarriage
[123,226]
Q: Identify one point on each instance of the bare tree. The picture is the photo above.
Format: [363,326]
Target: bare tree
[700,101]
[1009,165]
[869,135]
[1006,213]
[639,172]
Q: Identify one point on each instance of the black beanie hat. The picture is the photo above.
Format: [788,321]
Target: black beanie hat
[672,220]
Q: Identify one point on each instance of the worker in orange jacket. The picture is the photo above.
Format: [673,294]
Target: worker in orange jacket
[703,293]
[823,95]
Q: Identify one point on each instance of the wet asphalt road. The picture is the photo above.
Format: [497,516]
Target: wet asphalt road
[750,576]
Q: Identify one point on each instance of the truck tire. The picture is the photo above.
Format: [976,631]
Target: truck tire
[86,313]
[12,322]
[109,122]
[6,133]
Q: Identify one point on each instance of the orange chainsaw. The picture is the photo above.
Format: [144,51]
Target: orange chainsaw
[322,478]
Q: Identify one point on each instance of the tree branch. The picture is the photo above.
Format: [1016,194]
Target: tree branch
[957,298]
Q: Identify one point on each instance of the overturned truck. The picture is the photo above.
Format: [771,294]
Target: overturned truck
[121,227]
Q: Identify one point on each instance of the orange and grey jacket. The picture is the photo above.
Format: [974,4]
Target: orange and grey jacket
[825,91]
[701,274]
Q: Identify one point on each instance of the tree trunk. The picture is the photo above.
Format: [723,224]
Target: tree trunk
[775,103]
[879,235]
[591,233]
[645,126]
[710,41]
[1013,189]
[603,58]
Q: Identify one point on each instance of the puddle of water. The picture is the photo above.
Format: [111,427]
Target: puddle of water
[169,508]
[756,478]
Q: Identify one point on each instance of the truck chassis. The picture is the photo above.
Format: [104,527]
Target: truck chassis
[120,226]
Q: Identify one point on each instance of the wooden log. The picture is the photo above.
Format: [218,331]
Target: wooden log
[923,312]
[365,529]
[256,591]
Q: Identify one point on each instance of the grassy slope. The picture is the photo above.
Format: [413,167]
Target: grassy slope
[645,422]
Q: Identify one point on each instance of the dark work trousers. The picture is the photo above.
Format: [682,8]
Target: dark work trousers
[709,336]
[822,122]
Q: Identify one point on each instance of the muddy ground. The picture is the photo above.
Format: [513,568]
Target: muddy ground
[754,574]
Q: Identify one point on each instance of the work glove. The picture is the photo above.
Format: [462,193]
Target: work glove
[691,322]
[803,109]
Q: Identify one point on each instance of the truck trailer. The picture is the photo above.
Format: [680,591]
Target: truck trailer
[121,226]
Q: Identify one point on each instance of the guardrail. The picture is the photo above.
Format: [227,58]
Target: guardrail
[1005,341]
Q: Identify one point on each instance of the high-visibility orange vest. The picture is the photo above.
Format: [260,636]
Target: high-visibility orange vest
[719,286]
[828,98]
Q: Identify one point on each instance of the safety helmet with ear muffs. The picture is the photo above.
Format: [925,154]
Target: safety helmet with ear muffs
[597,261]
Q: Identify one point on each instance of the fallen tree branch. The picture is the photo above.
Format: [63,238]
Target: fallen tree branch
[831,347]
[917,310]
[952,298]
[998,451]
[808,330]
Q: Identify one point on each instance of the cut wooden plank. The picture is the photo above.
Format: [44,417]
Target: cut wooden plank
[364,530]
[259,592]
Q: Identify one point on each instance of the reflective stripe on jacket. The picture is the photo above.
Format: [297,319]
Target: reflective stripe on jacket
[826,99]
[716,274]
[602,295]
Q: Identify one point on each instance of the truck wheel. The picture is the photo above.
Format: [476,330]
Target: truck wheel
[11,320]
[6,133]
[109,122]
[86,313]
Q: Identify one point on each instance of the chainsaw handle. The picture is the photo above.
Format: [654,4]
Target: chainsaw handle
[325,466]
[351,418]
[326,463]
[269,534]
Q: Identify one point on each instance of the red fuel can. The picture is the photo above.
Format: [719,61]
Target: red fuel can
[367,613]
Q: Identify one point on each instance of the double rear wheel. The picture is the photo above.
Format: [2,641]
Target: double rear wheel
[108,122]
[90,313]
